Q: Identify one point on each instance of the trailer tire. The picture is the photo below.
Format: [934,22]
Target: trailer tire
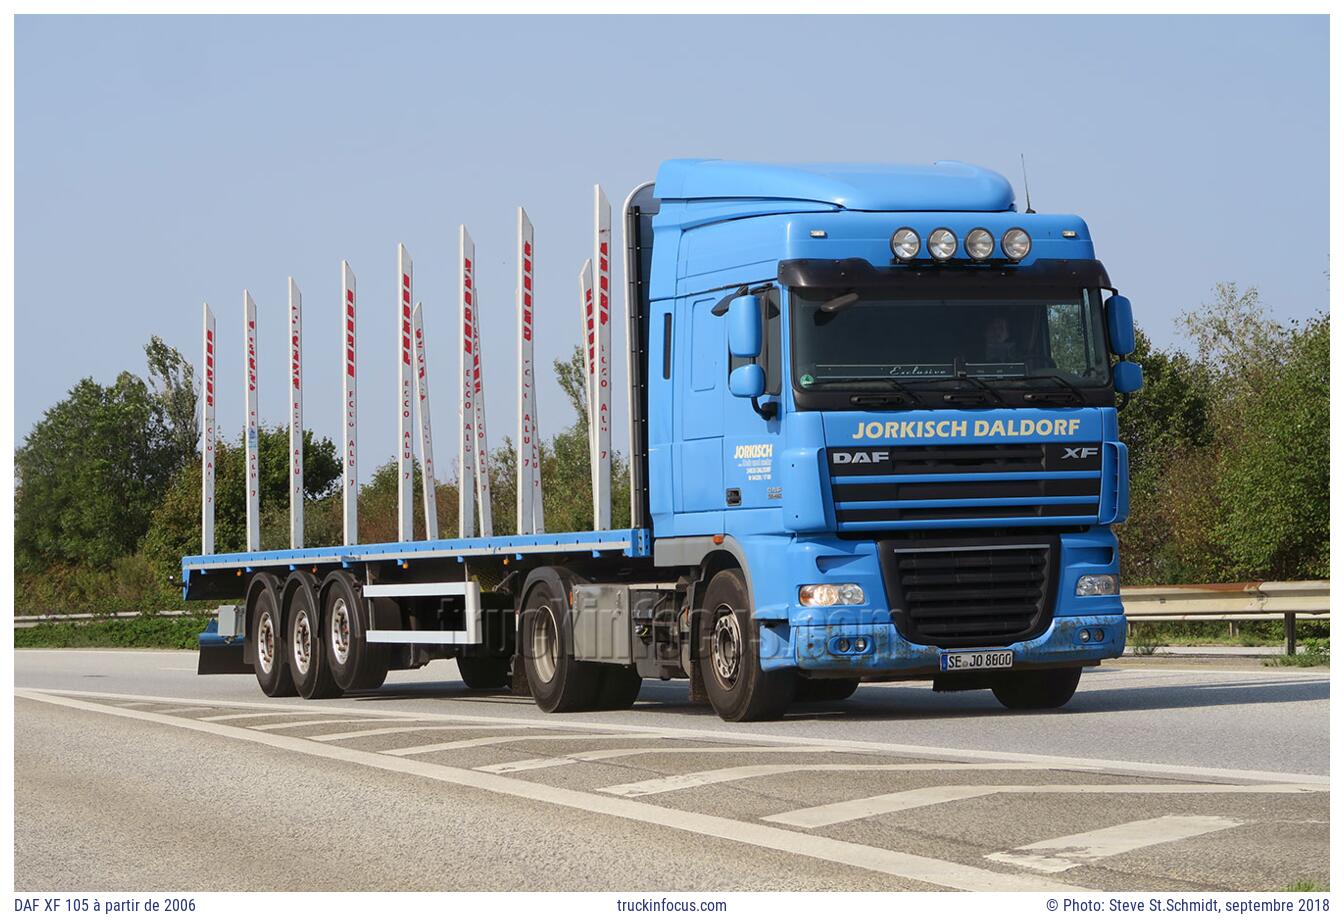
[825,689]
[266,633]
[739,689]
[1046,689]
[484,673]
[559,683]
[306,648]
[617,686]
[354,663]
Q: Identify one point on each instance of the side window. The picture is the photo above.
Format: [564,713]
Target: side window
[771,348]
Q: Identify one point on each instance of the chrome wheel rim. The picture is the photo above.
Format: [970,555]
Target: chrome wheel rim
[266,641]
[725,652]
[340,630]
[545,642]
[303,641]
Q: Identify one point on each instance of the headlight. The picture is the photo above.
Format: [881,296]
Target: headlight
[830,595]
[979,244]
[1097,585]
[1016,244]
[942,244]
[905,244]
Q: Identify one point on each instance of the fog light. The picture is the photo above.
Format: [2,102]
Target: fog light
[842,645]
[830,595]
[1097,634]
[1097,585]
[860,645]
[1084,636]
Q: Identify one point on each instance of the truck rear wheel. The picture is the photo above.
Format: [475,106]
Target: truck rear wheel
[355,663]
[739,689]
[266,632]
[1049,689]
[825,689]
[307,658]
[559,683]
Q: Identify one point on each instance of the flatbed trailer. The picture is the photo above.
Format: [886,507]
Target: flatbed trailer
[872,435]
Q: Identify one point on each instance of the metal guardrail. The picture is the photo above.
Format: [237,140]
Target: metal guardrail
[1289,601]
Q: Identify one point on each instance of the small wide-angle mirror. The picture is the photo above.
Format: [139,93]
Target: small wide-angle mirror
[1128,377]
[747,381]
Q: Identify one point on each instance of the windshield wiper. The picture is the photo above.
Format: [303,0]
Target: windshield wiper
[902,391]
[964,377]
[1074,394]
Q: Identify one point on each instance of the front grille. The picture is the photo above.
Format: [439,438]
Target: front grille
[900,486]
[970,592]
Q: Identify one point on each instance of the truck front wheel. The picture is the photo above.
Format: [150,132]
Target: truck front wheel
[1049,689]
[739,689]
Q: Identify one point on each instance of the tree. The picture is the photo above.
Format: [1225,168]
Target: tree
[170,378]
[90,474]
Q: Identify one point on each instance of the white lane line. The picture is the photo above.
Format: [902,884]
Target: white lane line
[181,709]
[540,763]
[402,729]
[272,726]
[253,715]
[1072,851]
[929,870]
[754,771]
[134,705]
[497,739]
[854,809]
[1048,761]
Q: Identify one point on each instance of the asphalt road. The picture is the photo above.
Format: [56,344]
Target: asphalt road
[133,773]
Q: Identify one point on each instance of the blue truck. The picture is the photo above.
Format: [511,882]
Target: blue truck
[873,436]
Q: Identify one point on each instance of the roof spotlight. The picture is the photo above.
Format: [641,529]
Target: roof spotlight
[1016,244]
[942,244]
[979,244]
[905,244]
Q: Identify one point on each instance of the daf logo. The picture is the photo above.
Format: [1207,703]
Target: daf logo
[1079,453]
[861,456]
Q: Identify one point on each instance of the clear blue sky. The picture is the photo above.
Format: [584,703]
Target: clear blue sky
[165,161]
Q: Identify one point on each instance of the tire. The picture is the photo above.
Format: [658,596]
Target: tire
[617,687]
[1049,689]
[306,647]
[354,663]
[558,682]
[266,632]
[737,687]
[825,689]
[484,673]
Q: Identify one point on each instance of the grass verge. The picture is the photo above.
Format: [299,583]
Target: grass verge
[135,632]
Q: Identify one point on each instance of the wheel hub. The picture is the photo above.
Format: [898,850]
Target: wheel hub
[340,630]
[545,641]
[303,641]
[266,641]
[726,651]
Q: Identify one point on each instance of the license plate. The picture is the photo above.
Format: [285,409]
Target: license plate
[976,661]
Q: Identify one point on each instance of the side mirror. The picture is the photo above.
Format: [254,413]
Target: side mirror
[748,381]
[744,326]
[1120,324]
[1128,377]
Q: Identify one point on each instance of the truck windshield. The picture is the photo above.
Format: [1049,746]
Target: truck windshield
[1046,339]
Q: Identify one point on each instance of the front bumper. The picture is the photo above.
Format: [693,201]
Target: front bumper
[815,649]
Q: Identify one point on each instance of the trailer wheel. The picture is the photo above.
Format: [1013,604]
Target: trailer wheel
[825,689]
[354,663]
[1049,689]
[739,689]
[559,683]
[484,673]
[617,686]
[307,659]
[266,632]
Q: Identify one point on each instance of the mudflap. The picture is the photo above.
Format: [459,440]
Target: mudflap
[220,655]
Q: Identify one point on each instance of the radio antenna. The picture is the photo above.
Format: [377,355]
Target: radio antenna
[1026,187]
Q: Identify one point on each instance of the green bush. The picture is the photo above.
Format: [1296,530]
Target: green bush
[137,632]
